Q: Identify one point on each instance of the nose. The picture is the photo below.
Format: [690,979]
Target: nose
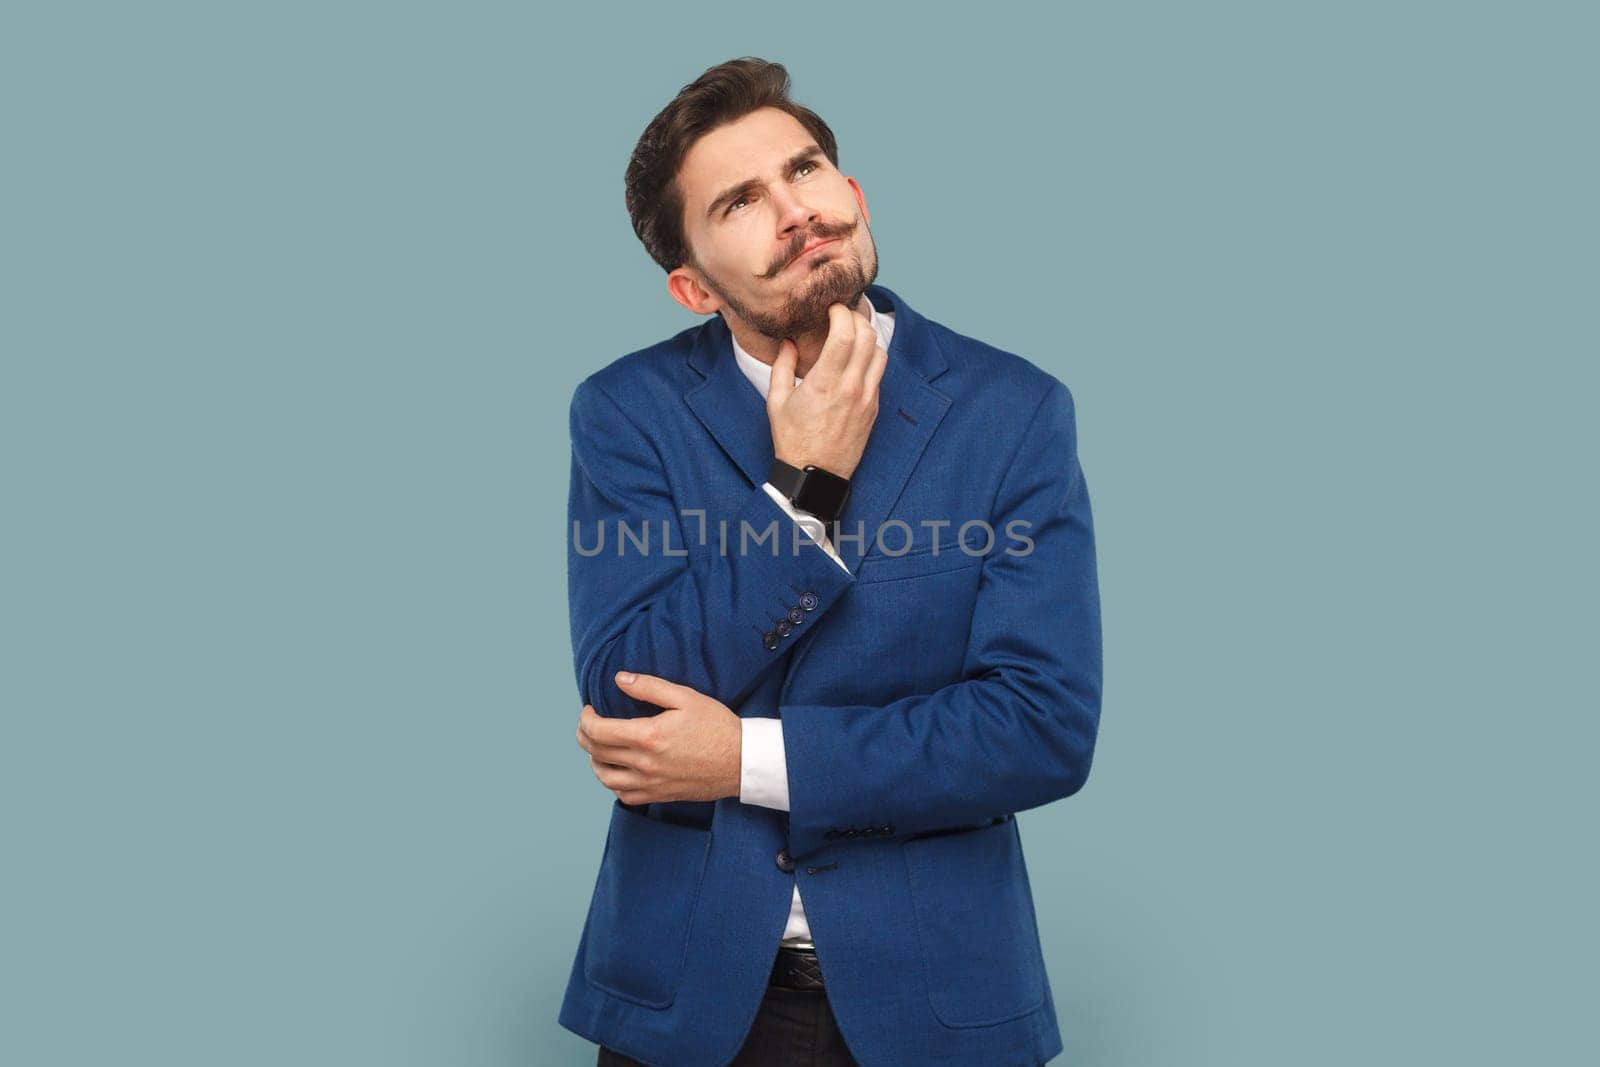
[793,213]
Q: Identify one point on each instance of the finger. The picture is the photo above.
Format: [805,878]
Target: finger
[614,777]
[599,729]
[589,721]
[836,347]
[876,366]
[628,787]
[863,347]
[653,690]
[782,373]
[622,754]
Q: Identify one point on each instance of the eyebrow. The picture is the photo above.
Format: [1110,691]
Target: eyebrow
[736,191]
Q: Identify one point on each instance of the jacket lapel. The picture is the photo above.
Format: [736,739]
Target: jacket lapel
[909,411]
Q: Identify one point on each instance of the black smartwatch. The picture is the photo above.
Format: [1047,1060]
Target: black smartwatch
[813,489]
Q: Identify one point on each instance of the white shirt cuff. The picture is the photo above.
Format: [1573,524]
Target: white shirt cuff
[813,527]
[763,774]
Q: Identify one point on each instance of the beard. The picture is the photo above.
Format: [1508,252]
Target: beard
[824,282]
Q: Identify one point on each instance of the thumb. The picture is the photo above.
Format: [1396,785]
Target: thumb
[653,690]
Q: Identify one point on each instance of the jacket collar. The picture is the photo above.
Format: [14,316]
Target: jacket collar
[909,411]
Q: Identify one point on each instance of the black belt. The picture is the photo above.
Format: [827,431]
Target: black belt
[796,968]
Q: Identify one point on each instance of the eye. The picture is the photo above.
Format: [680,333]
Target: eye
[811,163]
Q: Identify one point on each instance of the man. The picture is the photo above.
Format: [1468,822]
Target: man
[887,568]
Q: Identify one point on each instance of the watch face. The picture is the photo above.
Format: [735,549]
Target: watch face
[822,493]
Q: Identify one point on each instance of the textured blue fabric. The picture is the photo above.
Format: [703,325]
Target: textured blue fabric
[928,696]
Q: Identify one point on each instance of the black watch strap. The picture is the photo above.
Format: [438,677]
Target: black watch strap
[811,489]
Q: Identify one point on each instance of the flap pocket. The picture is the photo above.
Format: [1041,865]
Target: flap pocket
[644,901]
[975,921]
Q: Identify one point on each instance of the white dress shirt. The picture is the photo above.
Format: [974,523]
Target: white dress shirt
[763,772]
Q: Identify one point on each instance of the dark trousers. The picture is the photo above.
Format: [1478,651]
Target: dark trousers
[794,1027]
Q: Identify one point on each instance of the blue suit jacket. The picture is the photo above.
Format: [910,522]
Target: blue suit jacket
[925,697]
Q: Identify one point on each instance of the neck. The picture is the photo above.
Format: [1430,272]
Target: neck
[808,345]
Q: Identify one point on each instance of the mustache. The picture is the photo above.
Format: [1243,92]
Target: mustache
[799,243]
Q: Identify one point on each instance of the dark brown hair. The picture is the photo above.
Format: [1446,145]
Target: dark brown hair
[723,94]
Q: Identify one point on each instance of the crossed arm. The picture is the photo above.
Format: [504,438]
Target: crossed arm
[1017,732]
[702,624]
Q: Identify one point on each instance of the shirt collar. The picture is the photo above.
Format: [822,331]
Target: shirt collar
[760,374]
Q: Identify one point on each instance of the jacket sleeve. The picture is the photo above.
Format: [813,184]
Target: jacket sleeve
[1018,731]
[636,601]
[817,534]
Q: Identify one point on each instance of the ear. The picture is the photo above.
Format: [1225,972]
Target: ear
[683,285]
[861,198]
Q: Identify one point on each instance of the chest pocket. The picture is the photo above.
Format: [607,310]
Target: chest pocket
[877,568]
[907,549]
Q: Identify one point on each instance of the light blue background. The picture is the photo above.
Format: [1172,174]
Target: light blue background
[294,299]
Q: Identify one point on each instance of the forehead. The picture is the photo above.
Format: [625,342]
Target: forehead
[749,147]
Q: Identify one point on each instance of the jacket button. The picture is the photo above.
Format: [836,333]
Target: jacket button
[808,601]
[769,641]
[783,628]
[785,861]
[796,615]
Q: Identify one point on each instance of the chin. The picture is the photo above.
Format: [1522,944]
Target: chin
[836,280]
